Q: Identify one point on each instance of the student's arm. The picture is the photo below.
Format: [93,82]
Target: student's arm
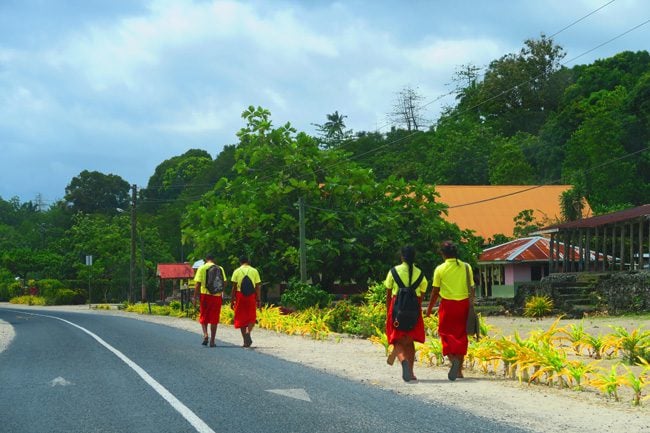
[232,294]
[435,293]
[197,291]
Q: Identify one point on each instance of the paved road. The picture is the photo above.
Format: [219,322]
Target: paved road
[70,372]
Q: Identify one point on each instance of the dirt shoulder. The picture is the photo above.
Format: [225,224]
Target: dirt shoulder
[535,408]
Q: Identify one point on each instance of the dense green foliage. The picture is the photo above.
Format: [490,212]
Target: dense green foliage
[527,119]
[301,296]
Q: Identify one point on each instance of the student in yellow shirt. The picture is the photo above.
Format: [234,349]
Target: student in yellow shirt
[450,283]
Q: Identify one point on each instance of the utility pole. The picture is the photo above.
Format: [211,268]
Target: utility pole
[134,191]
[143,286]
[303,250]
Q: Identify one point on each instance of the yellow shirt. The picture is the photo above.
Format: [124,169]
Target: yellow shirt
[201,277]
[451,277]
[242,271]
[403,272]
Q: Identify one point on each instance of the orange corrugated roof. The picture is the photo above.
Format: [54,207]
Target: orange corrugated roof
[491,209]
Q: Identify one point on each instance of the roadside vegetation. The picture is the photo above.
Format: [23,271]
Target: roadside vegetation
[615,363]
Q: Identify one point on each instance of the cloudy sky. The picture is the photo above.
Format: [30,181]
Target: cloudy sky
[118,86]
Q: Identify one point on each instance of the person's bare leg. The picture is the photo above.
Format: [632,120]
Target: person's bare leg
[204,327]
[460,370]
[410,349]
[455,366]
[213,334]
[401,347]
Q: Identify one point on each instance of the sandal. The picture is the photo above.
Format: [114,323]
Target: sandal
[406,371]
[454,370]
[247,340]
[213,344]
[205,341]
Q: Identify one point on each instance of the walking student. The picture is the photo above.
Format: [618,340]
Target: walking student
[245,298]
[405,285]
[450,283]
[209,282]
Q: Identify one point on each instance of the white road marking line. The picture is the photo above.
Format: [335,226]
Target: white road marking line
[185,411]
[297,393]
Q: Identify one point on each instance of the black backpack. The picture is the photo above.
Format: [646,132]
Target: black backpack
[247,287]
[214,280]
[406,309]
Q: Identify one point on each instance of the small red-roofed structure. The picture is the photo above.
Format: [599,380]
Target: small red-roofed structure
[176,272]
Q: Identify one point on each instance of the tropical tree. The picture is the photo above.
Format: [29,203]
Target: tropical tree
[108,240]
[408,109]
[520,90]
[354,224]
[95,192]
[333,132]
[597,151]
[508,164]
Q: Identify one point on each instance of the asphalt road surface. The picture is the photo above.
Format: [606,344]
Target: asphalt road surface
[70,372]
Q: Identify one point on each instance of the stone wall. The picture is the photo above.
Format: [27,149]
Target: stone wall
[617,292]
[625,292]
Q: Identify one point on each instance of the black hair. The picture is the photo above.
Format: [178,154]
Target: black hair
[408,254]
[243,259]
[449,250]
[209,257]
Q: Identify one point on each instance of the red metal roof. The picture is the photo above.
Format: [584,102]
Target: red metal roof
[170,271]
[531,249]
[601,220]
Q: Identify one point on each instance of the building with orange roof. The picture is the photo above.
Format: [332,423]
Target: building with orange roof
[489,210]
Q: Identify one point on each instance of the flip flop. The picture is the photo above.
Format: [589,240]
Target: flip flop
[406,371]
[453,371]
[205,341]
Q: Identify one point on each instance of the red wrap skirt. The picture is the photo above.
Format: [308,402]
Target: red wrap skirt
[245,310]
[393,334]
[452,326]
[209,309]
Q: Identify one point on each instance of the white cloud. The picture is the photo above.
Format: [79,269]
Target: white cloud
[445,55]
[132,86]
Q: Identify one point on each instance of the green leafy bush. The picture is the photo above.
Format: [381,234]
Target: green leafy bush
[302,296]
[342,313]
[10,289]
[367,320]
[362,320]
[48,287]
[66,297]
[376,294]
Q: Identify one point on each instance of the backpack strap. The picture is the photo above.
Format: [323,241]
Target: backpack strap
[418,280]
[400,283]
[396,277]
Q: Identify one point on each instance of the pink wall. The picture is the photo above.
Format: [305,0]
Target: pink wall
[518,272]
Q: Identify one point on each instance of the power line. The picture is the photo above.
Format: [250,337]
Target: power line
[580,19]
